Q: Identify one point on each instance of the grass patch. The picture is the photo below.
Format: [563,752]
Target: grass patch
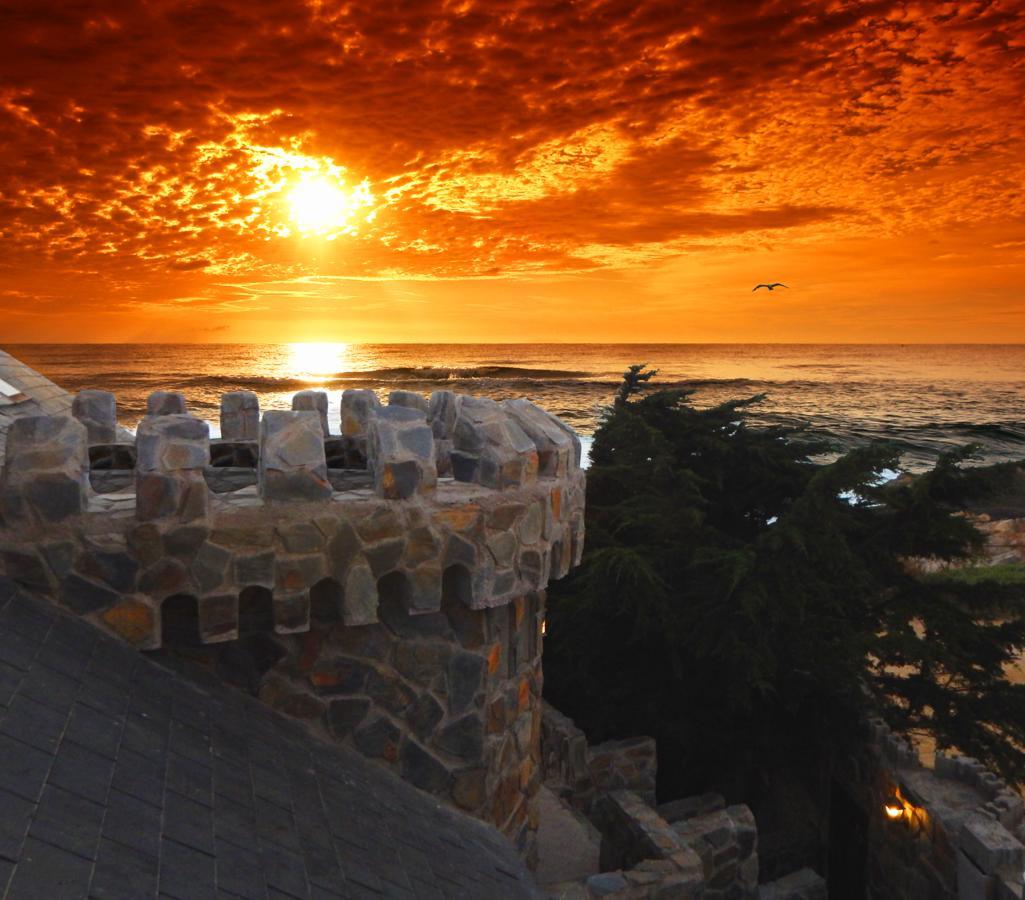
[1004,573]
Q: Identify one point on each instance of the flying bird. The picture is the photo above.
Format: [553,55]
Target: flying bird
[772,286]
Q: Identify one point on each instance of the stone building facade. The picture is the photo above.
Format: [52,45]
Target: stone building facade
[384,583]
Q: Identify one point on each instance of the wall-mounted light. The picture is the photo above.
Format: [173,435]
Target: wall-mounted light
[544,627]
[896,807]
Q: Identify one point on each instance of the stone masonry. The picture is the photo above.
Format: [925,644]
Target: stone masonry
[580,773]
[959,832]
[711,855]
[395,605]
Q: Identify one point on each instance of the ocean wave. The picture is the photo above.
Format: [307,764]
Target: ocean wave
[1014,430]
[395,375]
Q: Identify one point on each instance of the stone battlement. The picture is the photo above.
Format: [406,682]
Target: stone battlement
[957,830]
[459,496]
[996,799]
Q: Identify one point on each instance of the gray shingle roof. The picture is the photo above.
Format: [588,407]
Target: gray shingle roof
[120,778]
[43,397]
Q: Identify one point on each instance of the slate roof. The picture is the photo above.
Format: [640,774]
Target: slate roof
[43,397]
[120,778]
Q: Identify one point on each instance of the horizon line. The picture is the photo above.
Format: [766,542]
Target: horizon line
[518,343]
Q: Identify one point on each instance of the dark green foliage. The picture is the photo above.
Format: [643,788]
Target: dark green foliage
[634,379]
[737,606]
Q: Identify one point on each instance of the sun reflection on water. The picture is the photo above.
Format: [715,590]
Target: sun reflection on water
[317,362]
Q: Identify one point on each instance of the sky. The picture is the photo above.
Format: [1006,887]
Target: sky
[512,170]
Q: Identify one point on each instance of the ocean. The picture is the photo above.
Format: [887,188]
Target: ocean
[924,398]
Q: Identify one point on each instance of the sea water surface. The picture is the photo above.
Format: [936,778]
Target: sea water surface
[924,398]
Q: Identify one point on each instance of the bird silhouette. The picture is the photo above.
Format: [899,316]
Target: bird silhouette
[772,286]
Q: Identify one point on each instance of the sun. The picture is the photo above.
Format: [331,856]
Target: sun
[319,205]
[296,195]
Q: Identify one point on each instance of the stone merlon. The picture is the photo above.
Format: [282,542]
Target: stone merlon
[458,494]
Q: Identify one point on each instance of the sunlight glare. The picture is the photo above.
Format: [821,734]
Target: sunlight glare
[319,206]
[316,361]
[306,196]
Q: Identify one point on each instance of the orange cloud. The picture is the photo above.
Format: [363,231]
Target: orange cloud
[148,153]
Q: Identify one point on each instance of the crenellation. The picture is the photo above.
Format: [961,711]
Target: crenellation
[488,545]
[555,450]
[46,476]
[313,401]
[384,605]
[441,414]
[401,445]
[172,451]
[357,407]
[489,447]
[410,399]
[97,410]
[240,416]
[166,403]
[293,465]
[959,827]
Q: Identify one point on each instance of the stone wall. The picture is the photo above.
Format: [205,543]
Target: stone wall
[955,831]
[712,856]
[390,605]
[689,848]
[449,700]
[580,773]
[630,764]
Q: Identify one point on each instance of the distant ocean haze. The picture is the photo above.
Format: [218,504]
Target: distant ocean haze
[924,398]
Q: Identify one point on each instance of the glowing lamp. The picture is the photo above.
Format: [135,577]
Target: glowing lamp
[544,627]
[894,808]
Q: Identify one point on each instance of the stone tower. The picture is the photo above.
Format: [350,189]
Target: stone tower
[383,583]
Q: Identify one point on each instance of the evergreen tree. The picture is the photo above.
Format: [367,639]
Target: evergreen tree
[745,605]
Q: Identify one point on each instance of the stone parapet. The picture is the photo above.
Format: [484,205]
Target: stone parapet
[726,842]
[97,410]
[580,774]
[313,401]
[385,607]
[401,444]
[629,764]
[997,799]
[632,832]
[46,477]
[441,415]
[958,830]
[564,755]
[556,451]
[293,464]
[712,857]
[240,416]
[293,529]
[490,447]
[409,398]
[171,453]
[166,403]
[358,405]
